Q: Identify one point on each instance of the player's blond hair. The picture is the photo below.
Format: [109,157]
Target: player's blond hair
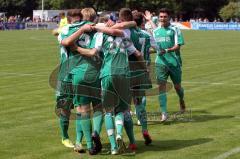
[89,14]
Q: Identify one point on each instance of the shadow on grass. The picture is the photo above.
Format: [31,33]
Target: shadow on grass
[190,117]
[157,145]
[168,145]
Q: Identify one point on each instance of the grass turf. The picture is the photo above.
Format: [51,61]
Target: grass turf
[29,127]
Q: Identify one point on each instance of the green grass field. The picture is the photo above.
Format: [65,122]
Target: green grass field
[211,78]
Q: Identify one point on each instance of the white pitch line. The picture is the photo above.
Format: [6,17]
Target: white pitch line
[184,82]
[211,83]
[20,74]
[228,153]
[211,63]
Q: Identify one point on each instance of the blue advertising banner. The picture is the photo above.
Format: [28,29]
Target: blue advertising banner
[12,26]
[215,26]
[20,26]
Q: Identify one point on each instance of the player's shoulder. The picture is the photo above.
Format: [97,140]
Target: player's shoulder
[156,30]
[65,29]
[76,25]
[145,33]
[174,27]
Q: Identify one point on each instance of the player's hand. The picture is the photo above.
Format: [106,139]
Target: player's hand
[87,28]
[147,15]
[97,27]
[110,23]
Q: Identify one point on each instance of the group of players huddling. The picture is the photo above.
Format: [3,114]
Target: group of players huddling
[104,66]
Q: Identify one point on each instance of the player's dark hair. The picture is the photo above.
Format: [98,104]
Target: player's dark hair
[165,10]
[62,13]
[74,13]
[125,14]
[138,18]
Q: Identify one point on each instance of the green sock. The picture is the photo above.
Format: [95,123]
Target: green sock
[119,123]
[128,125]
[97,121]
[64,124]
[180,93]
[163,102]
[79,131]
[110,130]
[87,129]
[142,116]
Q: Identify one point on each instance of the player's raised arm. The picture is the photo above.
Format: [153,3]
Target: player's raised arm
[84,51]
[109,31]
[71,39]
[98,40]
[124,25]
[148,17]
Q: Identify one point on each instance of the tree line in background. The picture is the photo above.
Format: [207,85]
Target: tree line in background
[186,9]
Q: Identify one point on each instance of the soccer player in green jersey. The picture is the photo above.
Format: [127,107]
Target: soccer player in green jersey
[167,63]
[114,81]
[181,42]
[64,96]
[178,54]
[87,85]
[141,41]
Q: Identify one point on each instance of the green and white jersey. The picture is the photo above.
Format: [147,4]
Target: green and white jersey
[65,52]
[115,54]
[181,42]
[135,38]
[87,65]
[146,42]
[166,37]
[79,64]
[141,41]
[180,35]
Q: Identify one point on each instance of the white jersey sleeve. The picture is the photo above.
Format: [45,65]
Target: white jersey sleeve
[98,41]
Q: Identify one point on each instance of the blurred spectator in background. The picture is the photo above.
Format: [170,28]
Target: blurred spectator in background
[114,16]
[206,20]
[63,22]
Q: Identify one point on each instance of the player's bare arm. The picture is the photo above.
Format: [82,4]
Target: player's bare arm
[84,51]
[148,17]
[71,39]
[174,48]
[109,31]
[124,25]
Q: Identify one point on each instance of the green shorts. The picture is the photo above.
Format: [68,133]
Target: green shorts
[163,71]
[179,58]
[116,93]
[86,89]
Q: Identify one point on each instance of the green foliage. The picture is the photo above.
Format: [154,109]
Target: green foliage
[232,10]
[187,8]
